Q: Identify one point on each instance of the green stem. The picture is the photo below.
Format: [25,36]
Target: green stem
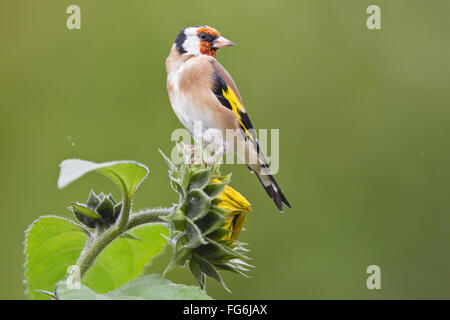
[98,242]
[94,247]
[148,216]
[125,212]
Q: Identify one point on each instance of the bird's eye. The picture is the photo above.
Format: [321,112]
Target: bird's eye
[203,36]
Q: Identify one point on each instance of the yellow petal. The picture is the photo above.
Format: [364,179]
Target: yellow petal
[237,207]
[235,223]
[232,200]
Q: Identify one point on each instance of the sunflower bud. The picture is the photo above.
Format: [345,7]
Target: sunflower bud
[99,210]
[206,221]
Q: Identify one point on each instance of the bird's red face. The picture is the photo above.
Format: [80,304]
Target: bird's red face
[207,35]
[201,40]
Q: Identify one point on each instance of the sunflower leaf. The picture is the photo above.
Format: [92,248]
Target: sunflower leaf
[53,244]
[127,175]
[149,287]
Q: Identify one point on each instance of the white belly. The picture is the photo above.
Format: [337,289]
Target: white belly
[196,122]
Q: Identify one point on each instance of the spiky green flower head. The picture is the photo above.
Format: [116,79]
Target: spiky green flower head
[207,219]
[99,210]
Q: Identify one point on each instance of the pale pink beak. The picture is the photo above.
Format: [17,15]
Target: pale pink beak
[222,42]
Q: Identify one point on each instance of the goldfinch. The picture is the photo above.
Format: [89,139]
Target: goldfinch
[202,91]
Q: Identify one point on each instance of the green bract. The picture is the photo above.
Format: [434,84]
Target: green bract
[99,210]
[200,225]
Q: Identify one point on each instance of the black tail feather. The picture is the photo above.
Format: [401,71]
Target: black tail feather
[274,192]
[278,195]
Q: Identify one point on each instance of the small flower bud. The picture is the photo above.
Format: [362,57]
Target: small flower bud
[99,209]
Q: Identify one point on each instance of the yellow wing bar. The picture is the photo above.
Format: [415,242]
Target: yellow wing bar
[236,107]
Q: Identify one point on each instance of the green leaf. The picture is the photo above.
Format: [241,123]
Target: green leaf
[53,244]
[124,259]
[127,235]
[126,174]
[149,287]
[47,293]
[84,293]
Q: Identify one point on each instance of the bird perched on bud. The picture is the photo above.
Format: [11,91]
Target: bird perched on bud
[202,91]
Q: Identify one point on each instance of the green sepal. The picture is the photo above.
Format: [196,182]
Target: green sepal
[169,162]
[84,210]
[212,221]
[185,177]
[180,254]
[214,189]
[194,235]
[239,248]
[117,210]
[218,234]
[106,210]
[215,202]
[197,204]
[215,250]
[176,219]
[228,266]
[93,201]
[177,186]
[111,198]
[85,215]
[210,270]
[222,211]
[225,179]
[88,222]
[194,267]
[200,179]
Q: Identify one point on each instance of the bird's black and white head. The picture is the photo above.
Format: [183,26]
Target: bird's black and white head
[200,40]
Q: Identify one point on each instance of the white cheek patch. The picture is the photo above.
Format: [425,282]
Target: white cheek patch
[192,45]
[192,42]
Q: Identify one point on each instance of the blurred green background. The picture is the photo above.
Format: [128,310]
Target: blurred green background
[364,119]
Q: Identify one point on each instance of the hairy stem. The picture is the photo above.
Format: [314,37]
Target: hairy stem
[94,247]
[125,212]
[97,242]
[148,216]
